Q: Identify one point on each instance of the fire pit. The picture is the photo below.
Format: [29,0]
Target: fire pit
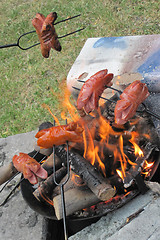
[128,183]
[84,207]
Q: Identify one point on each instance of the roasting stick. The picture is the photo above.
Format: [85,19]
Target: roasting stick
[17,44]
[61,184]
[144,110]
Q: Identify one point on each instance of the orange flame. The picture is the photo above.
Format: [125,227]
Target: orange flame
[94,152]
[146,168]
[120,173]
[77,180]
[137,150]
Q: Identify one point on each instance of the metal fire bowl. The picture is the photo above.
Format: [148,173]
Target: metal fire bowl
[47,210]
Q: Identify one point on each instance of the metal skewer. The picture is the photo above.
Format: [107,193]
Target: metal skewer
[17,44]
[61,184]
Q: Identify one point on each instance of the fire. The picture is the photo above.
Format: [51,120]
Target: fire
[120,174]
[48,108]
[109,139]
[137,150]
[146,168]
[71,109]
[148,165]
[77,180]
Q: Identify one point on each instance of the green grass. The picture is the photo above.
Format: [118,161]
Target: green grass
[26,78]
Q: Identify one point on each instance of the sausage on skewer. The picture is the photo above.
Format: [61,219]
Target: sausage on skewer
[30,168]
[46,33]
[58,135]
[92,89]
[129,101]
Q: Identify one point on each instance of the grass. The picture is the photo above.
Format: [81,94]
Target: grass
[26,78]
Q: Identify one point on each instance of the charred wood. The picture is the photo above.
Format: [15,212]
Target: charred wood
[136,169]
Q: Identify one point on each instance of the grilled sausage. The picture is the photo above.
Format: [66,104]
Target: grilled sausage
[46,33]
[30,168]
[129,101]
[59,135]
[92,89]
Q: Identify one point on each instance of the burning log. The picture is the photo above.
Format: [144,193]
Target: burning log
[134,171]
[74,181]
[46,187]
[75,199]
[98,185]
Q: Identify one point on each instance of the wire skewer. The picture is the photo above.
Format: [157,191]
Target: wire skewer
[61,184]
[17,44]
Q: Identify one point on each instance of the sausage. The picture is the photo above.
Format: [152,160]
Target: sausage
[58,135]
[88,97]
[129,101]
[46,33]
[30,168]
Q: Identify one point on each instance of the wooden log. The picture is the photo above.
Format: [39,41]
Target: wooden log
[46,187]
[75,199]
[98,185]
[78,197]
[74,181]
[6,172]
[48,164]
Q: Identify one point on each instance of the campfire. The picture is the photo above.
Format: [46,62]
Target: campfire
[100,173]
[98,160]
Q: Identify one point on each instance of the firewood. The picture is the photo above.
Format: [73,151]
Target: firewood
[96,182]
[48,164]
[74,181]
[75,199]
[46,187]
[6,172]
